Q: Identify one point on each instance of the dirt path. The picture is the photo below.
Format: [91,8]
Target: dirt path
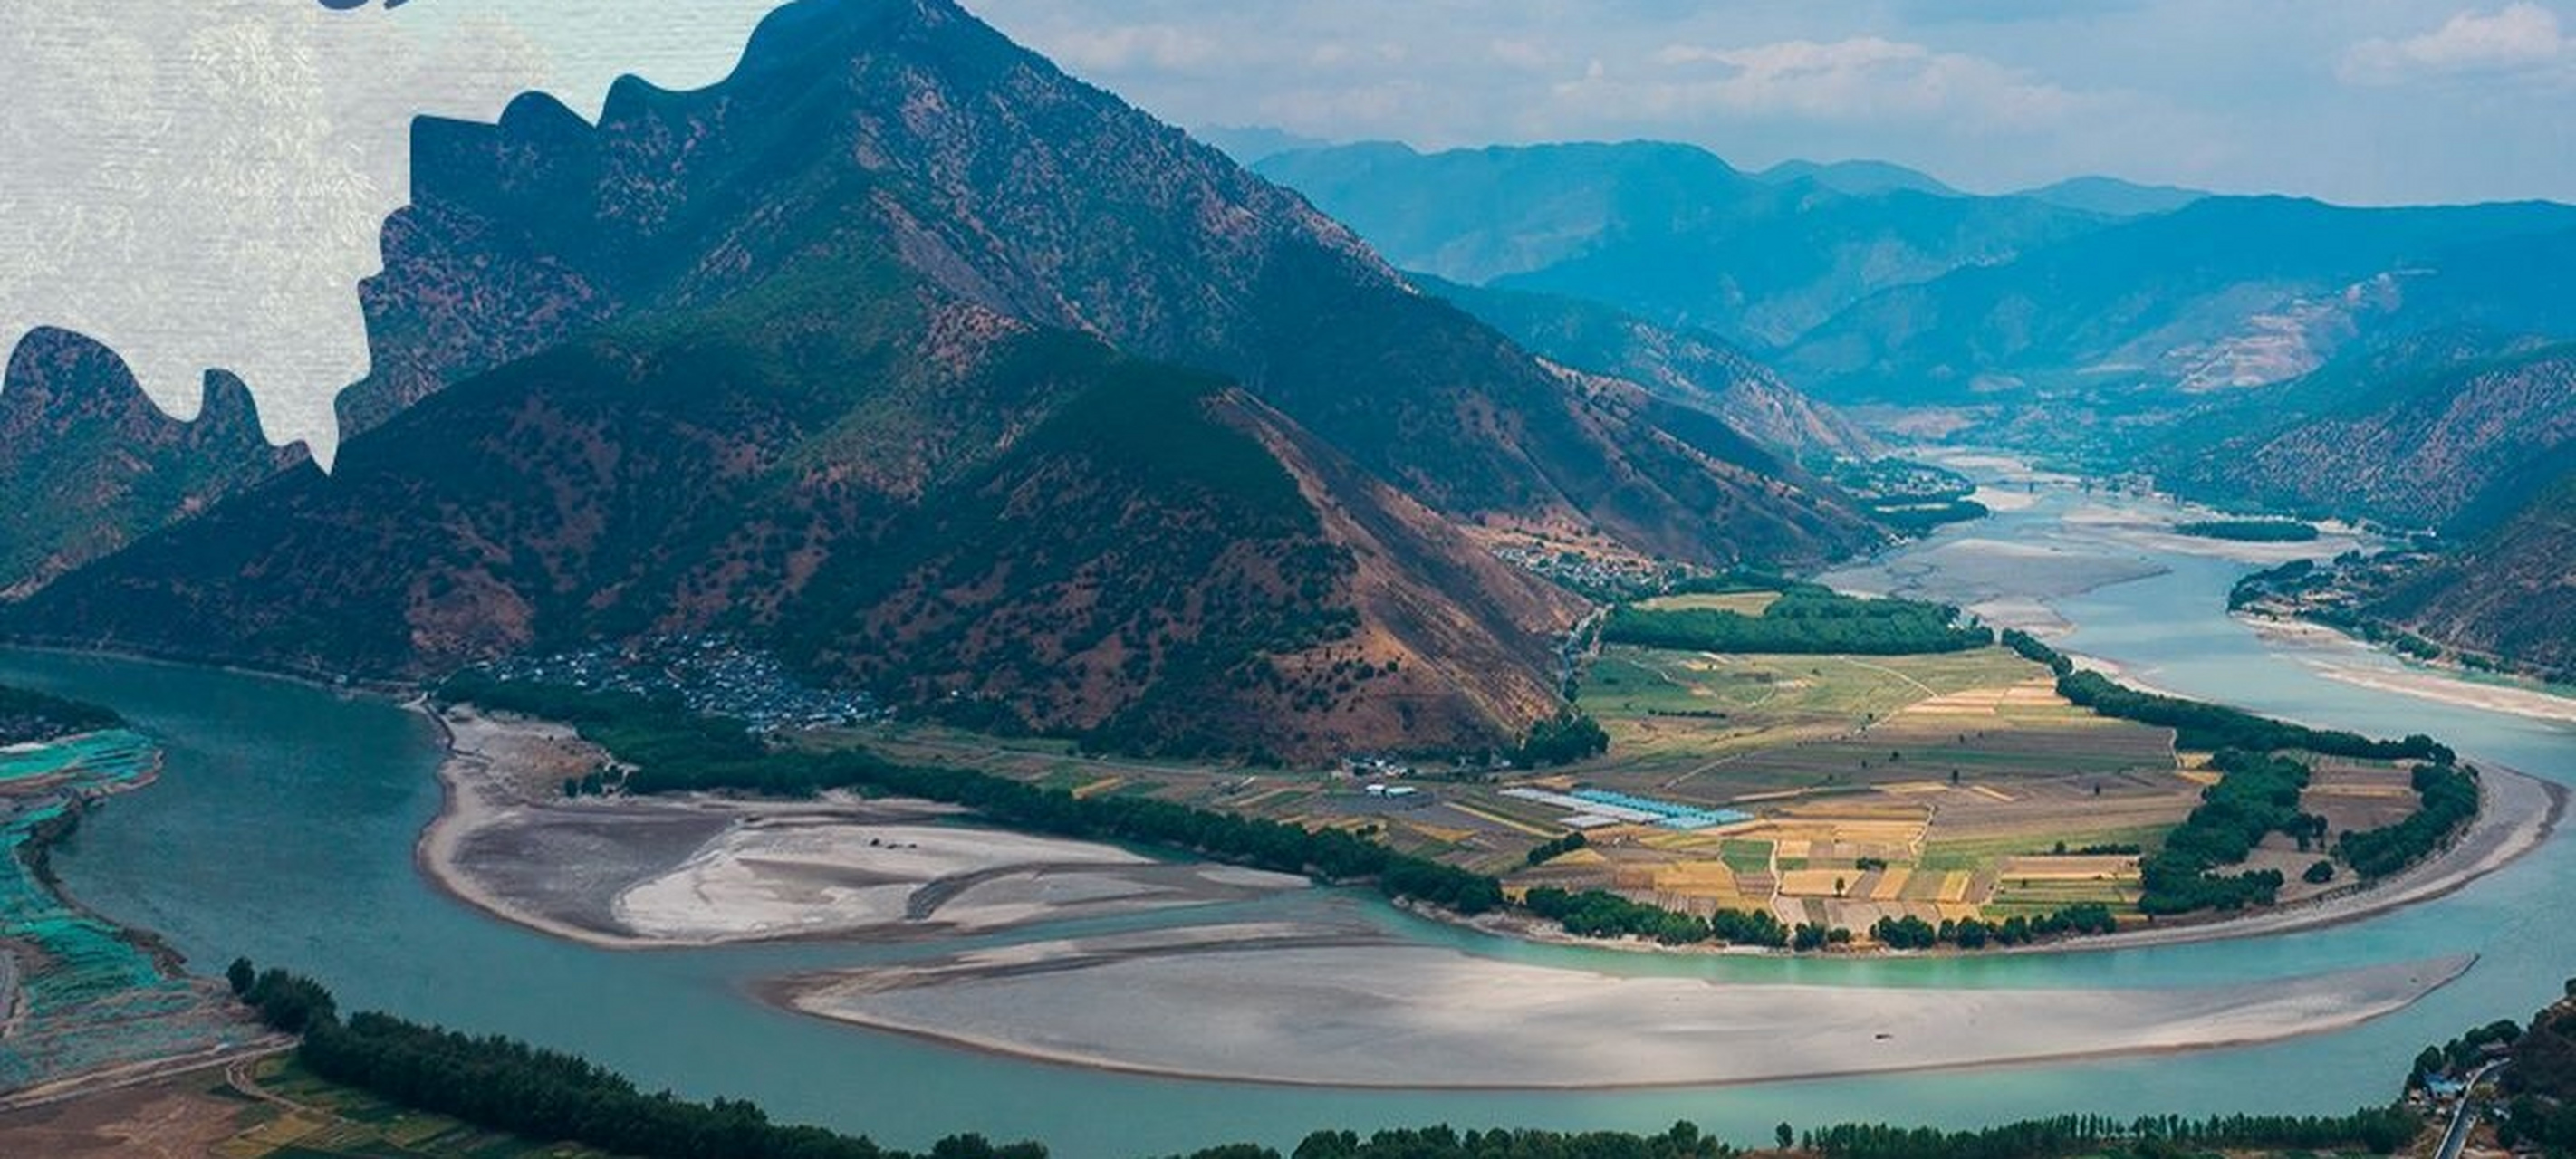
[141,1073]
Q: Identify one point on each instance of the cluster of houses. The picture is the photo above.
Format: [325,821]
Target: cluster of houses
[710,673]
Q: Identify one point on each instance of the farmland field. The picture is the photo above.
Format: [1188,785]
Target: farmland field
[1938,786]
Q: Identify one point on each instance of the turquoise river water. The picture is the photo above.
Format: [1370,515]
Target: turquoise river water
[283,825]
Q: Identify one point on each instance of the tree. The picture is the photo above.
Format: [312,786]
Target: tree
[1785,1135]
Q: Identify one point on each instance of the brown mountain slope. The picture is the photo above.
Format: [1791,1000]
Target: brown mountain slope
[1097,545]
[2512,595]
[2432,433]
[88,463]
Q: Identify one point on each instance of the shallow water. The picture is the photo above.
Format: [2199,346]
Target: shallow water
[283,826]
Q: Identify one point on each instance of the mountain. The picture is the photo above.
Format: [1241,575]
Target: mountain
[2112,197]
[1250,144]
[1858,178]
[2224,293]
[2444,431]
[1053,204]
[873,355]
[1691,367]
[2511,594]
[1668,232]
[88,463]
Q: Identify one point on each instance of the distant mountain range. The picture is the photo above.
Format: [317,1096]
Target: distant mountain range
[2400,364]
[2112,197]
[1694,368]
[906,356]
[1669,232]
[2223,293]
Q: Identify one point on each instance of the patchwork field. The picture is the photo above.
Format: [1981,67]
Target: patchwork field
[1938,787]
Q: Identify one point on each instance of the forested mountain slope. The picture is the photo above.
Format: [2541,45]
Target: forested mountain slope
[88,463]
[874,355]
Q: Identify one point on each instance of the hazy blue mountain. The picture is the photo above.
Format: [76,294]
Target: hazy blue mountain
[1251,144]
[2222,294]
[1858,178]
[1669,232]
[2113,197]
[1692,367]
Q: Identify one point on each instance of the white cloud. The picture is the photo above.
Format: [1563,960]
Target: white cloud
[1118,49]
[1860,79]
[2521,39]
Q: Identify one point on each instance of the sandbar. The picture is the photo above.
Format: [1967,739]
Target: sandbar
[700,870]
[1338,1008]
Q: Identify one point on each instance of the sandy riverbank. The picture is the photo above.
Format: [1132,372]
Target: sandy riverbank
[2337,656]
[1330,1007]
[705,870]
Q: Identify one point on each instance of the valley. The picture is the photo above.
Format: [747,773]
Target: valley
[123,865]
[895,601]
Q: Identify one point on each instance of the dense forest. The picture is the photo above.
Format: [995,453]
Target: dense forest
[1805,619]
[2542,1080]
[1563,739]
[2256,794]
[32,717]
[503,1084]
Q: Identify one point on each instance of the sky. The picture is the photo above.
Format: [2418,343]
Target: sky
[2356,101]
[203,185]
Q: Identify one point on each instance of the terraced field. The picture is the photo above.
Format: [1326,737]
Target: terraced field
[1938,787]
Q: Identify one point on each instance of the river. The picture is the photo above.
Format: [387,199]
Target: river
[283,825]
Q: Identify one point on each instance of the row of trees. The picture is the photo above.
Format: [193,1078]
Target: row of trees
[1805,619]
[503,1084]
[2252,530]
[1597,913]
[2211,727]
[2260,792]
[1683,1141]
[1550,851]
[2447,798]
[2378,1130]
[1913,933]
